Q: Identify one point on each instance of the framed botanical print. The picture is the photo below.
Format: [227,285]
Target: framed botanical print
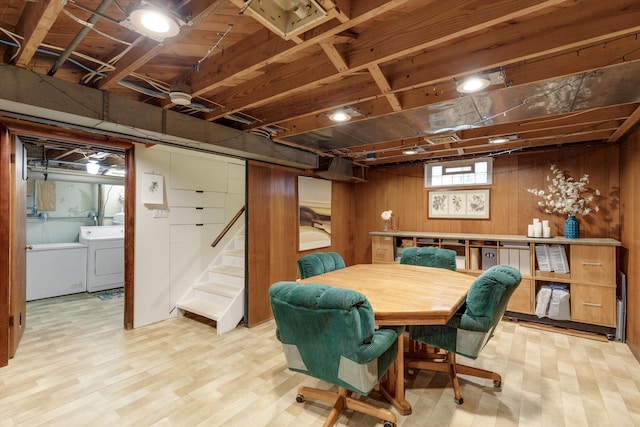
[464,204]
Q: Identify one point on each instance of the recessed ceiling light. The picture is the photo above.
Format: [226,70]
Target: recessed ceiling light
[339,116]
[502,139]
[154,21]
[344,114]
[473,84]
[414,150]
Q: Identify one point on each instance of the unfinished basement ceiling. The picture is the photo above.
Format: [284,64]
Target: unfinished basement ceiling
[568,70]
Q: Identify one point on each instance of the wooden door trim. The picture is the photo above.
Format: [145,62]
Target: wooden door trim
[5,229]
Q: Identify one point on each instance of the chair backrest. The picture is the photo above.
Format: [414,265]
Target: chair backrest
[318,263]
[428,256]
[474,324]
[485,305]
[329,333]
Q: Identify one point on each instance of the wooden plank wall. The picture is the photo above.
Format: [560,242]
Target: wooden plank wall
[272,218]
[630,234]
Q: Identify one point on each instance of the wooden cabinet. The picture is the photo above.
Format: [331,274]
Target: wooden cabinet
[382,249]
[593,264]
[593,304]
[589,274]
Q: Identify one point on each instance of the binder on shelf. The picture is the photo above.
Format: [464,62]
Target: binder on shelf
[542,257]
[558,259]
[474,259]
[525,260]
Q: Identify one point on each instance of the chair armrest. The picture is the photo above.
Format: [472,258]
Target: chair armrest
[381,341]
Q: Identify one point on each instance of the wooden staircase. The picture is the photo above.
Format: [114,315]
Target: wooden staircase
[218,293]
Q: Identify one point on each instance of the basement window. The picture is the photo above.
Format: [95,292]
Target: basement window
[458,173]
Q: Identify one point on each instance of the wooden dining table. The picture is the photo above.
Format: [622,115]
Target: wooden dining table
[402,295]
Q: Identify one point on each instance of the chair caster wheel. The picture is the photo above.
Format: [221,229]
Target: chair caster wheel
[497,383]
[388,424]
[299,398]
[459,401]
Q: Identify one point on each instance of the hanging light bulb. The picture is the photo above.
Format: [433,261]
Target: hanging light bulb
[93,167]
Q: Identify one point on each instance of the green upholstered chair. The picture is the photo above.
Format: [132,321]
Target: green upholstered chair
[318,263]
[329,333]
[470,328]
[428,256]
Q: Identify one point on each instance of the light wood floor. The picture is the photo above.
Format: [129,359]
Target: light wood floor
[76,366]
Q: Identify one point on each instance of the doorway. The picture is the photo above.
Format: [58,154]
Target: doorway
[68,160]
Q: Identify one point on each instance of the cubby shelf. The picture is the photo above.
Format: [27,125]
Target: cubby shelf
[591,277]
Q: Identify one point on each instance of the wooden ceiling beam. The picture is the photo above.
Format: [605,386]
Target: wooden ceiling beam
[518,74]
[385,88]
[570,31]
[260,91]
[431,26]
[631,121]
[241,62]
[486,148]
[35,22]
[146,49]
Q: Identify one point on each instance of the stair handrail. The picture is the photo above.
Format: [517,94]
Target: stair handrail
[226,229]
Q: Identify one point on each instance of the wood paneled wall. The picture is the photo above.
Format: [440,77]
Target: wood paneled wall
[630,234]
[512,208]
[272,227]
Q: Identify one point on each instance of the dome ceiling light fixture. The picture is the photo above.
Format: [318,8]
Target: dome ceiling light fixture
[153,21]
[180,94]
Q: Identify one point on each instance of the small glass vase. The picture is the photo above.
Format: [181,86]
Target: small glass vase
[571,228]
[386,226]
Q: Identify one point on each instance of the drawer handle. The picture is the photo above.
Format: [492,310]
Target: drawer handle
[199,209]
[597,264]
[591,304]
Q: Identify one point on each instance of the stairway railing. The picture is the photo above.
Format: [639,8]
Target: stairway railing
[226,229]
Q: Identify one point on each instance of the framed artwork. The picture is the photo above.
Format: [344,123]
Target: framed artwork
[314,221]
[152,189]
[464,204]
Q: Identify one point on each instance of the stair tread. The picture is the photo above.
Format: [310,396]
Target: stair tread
[235,252]
[202,308]
[228,269]
[223,289]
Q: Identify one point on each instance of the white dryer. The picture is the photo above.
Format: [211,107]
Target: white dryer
[105,256]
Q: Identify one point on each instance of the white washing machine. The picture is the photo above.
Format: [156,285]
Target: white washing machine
[105,256]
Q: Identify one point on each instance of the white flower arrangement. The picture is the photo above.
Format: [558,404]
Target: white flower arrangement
[386,215]
[565,195]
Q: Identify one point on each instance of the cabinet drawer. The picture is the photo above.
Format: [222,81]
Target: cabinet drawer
[382,249]
[196,216]
[593,264]
[192,198]
[593,304]
[520,301]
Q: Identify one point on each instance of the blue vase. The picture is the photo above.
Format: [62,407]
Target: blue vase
[571,228]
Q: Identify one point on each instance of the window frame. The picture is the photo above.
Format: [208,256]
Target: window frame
[462,178]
